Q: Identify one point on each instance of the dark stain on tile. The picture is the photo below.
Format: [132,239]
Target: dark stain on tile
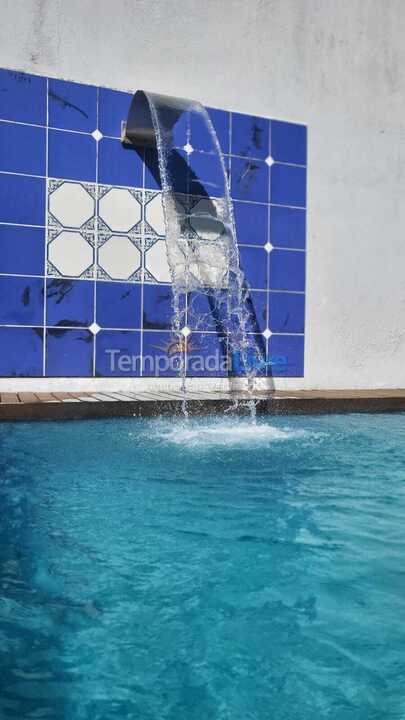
[25,298]
[65,103]
[59,289]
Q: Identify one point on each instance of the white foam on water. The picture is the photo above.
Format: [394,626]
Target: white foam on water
[229,434]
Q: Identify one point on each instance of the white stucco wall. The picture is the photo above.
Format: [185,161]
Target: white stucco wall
[336,65]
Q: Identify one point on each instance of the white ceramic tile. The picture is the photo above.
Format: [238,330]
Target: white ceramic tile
[71,205]
[154,215]
[70,253]
[204,220]
[156,262]
[119,257]
[119,210]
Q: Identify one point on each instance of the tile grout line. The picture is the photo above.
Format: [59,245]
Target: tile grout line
[44,332]
[95,249]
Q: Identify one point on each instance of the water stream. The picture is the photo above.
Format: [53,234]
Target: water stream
[201,239]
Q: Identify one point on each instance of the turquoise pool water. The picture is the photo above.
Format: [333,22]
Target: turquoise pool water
[205,570]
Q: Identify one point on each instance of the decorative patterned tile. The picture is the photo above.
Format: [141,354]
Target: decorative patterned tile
[71,205]
[119,257]
[70,253]
[156,265]
[119,209]
[108,283]
[22,149]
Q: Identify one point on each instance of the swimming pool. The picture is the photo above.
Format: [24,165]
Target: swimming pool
[209,569]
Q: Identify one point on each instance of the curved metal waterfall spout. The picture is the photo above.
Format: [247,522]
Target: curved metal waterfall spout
[139,130]
[201,244]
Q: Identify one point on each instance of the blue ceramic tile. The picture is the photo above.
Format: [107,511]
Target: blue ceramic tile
[287,227]
[22,149]
[254,358]
[287,312]
[21,301]
[118,305]
[250,180]
[118,353]
[152,173]
[69,353]
[287,270]
[206,175]
[288,185]
[113,107]
[22,97]
[160,354]
[21,352]
[253,262]
[206,355]
[22,250]
[22,200]
[256,304]
[251,222]
[69,303]
[286,353]
[71,156]
[200,136]
[180,130]
[207,311]
[118,165]
[288,142]
[221,121]
[157,307]
[250,136]
[72,106]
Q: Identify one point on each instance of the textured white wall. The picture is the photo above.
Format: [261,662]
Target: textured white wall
[337,65]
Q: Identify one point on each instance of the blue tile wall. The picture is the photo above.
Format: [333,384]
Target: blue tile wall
[83,268]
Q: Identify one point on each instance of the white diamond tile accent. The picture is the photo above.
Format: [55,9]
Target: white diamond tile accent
[268,247]
[186,331]
[71,204]
[70,253]
[156,262]
[120,210]
[267,333]
[119,257]
[188,149]
[269,160]
[97,135]
[94,328]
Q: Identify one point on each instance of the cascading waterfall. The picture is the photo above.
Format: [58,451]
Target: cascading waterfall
[201,241]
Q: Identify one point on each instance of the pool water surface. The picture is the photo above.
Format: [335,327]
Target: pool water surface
[203,569]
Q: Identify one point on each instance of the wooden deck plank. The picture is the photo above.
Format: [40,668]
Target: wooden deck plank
[27,397]
[9,398]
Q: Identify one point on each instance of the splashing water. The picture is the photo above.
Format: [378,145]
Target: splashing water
[201,241]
